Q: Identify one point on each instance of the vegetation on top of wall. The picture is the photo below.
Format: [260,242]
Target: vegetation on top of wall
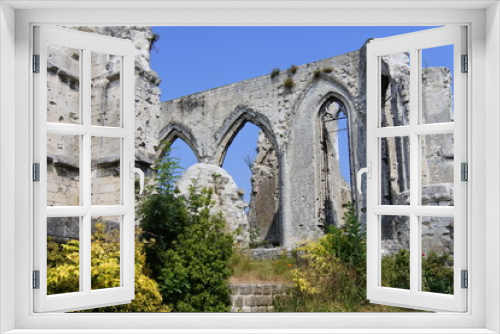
[152,42]
[288,83]
[275,72]
[292,69]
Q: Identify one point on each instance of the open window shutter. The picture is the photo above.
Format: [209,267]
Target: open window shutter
[83,156]
[416,198]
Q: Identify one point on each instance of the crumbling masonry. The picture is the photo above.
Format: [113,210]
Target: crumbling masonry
[297,187]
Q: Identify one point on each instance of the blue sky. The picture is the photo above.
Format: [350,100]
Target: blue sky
[193,59]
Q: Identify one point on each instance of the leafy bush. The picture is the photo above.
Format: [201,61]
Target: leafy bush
[437,273]
[163,214]
[396,270]
[331,274]
[188,252]
[196,273]
[63,271]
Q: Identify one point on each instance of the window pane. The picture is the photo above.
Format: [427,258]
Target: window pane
[395,89]
[63,255]
[395,171]
[106,171]
[437,169]
[437,85]
[105,252]
[437,254]
[63,170]
[63,84]
[395,251]
[106,89]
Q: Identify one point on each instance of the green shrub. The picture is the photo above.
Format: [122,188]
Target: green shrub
[163,214]
[327,70]
[396,270]
[63,271]
[188,252]
[437,273]
[331,272]
[196,273]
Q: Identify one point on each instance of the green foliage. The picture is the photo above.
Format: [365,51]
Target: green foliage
[188,250]
[331,276]
[317,73]
[255,241]
[437,273]
[289,83]
[349,241]
[63,271]
[396,270]
[275,72]
[327,70]
[292,69]
[63,267]
[163,214]
[196,273]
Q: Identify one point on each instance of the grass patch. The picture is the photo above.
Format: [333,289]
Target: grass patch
[247,270]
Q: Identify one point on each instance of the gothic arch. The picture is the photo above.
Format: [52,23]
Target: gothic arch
[176,130]
[332,184]
[233,124]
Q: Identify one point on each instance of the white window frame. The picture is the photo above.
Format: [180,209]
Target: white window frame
[87,43]
[414,43]
[483,20]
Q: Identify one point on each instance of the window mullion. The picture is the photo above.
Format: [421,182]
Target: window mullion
[414,168]
[86,177]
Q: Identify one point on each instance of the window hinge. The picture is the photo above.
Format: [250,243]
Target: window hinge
[465,64]
[464,171]
[36,172]
[36,279]
[36,63]
[465,279]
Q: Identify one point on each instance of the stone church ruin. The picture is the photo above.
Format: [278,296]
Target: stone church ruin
[297,186]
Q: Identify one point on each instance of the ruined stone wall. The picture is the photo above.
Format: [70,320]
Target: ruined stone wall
[255,297]
[227,198]
[293,177]
[263,215]
[437,157]
[288,115]
[63,161]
